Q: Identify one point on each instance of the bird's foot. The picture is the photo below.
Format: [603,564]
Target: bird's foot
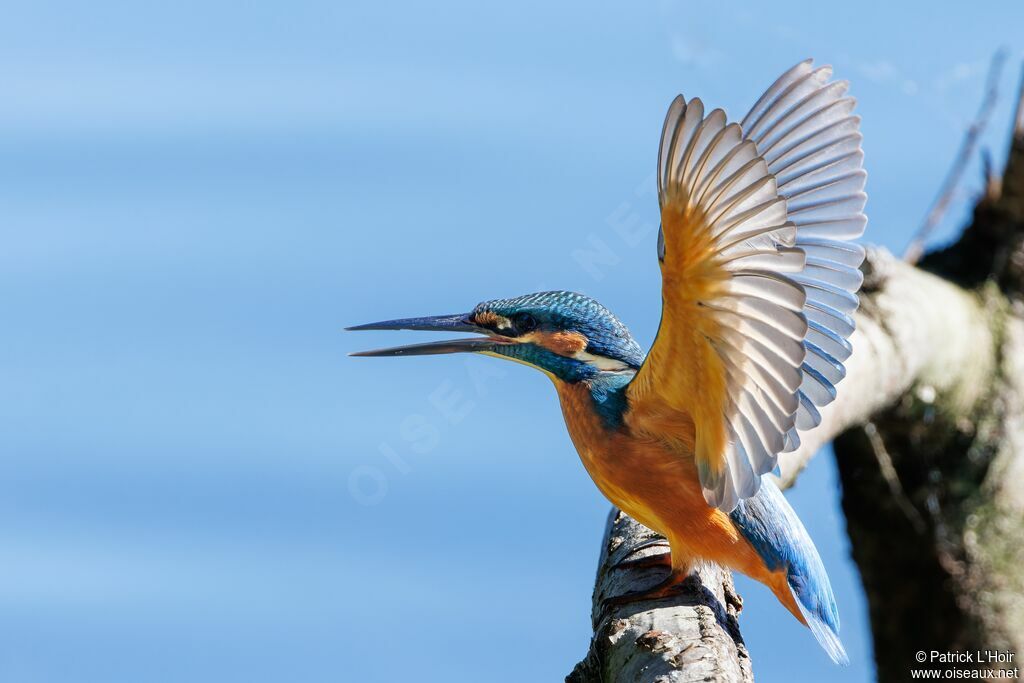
[658,560]
[665,588]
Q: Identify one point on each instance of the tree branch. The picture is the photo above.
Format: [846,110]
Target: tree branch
[959,465]
[914,331]
[696,632]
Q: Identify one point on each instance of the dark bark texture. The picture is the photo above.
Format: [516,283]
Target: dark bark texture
[932,488]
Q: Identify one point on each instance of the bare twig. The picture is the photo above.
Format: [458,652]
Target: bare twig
[992,179]
[938,209]
[1018,116]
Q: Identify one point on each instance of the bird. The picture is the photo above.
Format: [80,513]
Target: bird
[760,276]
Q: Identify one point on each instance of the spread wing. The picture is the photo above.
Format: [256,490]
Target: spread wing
[758,275]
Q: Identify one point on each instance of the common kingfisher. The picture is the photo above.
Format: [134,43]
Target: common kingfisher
[759,282]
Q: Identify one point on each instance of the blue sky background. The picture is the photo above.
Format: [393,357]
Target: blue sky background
[198,484]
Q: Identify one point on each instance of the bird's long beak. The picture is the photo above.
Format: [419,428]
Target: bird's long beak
[437,323]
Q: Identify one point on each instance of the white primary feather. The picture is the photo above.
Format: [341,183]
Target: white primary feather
[805,131]
[782,194]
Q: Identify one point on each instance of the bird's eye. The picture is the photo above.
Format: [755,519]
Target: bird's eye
[524,322]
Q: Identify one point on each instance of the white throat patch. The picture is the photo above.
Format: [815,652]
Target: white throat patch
[602,362]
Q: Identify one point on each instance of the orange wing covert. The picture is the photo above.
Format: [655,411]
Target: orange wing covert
[758,281]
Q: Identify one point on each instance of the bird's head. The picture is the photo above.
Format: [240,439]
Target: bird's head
[567,335]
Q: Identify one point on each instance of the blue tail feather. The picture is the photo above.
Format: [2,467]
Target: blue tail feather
[771,526]
[826,634]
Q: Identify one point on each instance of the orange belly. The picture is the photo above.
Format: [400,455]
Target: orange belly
[654,480]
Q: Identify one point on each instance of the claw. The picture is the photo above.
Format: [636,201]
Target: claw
[650,543]
[663,589]
[659,560]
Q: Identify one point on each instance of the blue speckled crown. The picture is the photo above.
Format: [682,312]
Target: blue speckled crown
[559,310]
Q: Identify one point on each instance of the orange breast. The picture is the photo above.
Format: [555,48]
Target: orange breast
[651,476]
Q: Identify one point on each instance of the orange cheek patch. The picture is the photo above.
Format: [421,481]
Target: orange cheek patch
[563,343]
[487,318]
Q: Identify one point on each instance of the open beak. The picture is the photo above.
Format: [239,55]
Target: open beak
[437,323]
